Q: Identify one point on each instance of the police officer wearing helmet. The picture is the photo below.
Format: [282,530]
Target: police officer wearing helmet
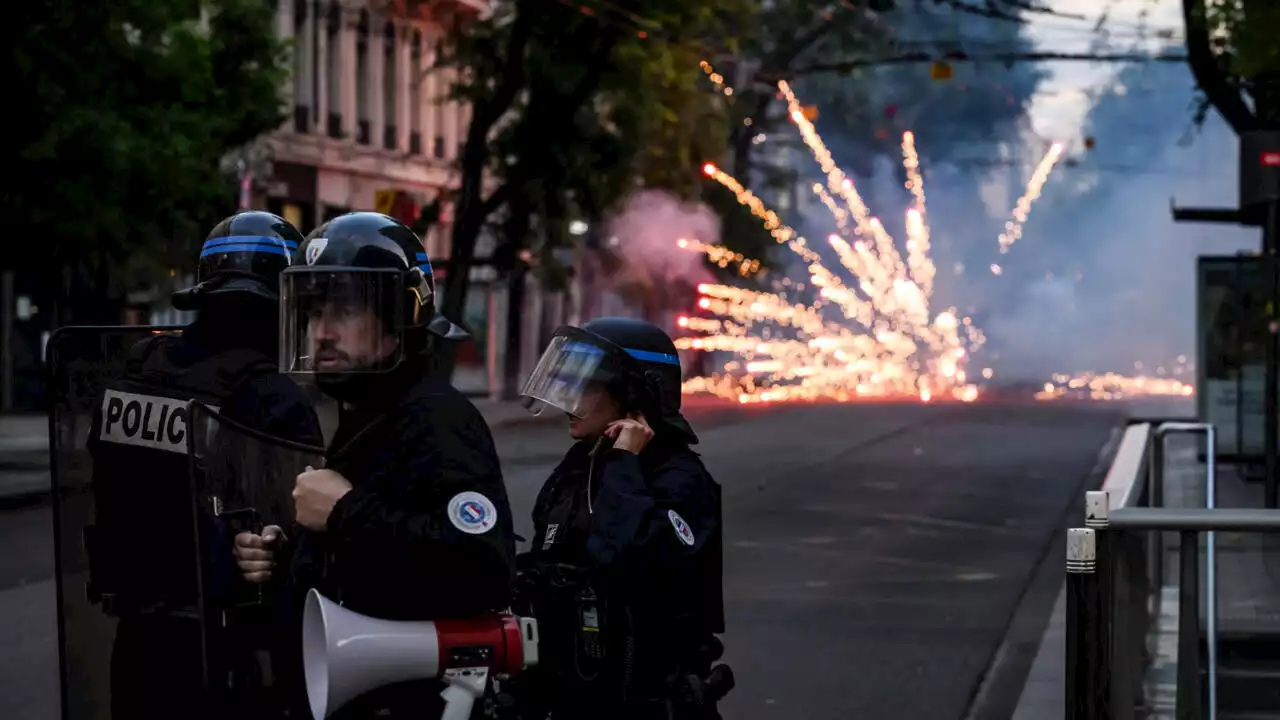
[143,548]
[409,519]
[624,571]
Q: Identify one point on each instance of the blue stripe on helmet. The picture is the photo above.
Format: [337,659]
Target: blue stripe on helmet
[654,357]
[424,262]
[276,249]
[250,240]
[641,355]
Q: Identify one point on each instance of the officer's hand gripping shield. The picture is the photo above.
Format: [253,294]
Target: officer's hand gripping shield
[152,612]
[241,481]
[79,361]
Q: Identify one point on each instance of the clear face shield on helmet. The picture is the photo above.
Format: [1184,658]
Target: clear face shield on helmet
[572,373]
[341,320]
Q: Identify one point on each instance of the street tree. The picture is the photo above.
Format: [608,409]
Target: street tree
[1232,52]
[573,106]
[126,112]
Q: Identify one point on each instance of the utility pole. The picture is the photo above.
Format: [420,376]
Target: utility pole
[1259,131]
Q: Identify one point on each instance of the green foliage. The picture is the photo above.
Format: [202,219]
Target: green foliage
[780,37]
[1246,29]
[573,109]
[126,110]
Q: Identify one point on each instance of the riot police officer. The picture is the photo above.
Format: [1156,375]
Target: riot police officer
[143,553]
[409,519]
[624,571]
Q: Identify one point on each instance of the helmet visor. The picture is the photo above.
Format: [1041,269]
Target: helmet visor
[339,320]
[572,374]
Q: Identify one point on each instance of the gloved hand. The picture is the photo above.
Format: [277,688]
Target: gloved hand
[255,554]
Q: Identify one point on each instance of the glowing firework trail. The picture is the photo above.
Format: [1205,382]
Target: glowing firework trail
[722,256]
[790,350]
[840,184]
[922,269]
[905,301]
[833,289]
[1013,228]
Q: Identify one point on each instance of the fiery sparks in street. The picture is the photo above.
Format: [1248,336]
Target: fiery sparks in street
[1112,386]
[874,334]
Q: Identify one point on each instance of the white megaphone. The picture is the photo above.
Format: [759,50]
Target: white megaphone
[346,654]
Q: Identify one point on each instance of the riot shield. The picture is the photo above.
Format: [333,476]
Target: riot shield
[241,481]
[79,361]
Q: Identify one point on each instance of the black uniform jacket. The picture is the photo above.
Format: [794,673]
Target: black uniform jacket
[426,532]
[645,532]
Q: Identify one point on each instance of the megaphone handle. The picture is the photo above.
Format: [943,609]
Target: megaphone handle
[462,691]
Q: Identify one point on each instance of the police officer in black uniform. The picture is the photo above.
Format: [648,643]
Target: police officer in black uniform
[142,550]
[624,572]
[409,519]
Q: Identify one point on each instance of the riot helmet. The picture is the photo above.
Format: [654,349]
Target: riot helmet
[358,299]
[635,362]
[241,259]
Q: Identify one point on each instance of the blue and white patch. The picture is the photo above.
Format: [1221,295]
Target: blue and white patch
[472,513]
[682,528]
[314,248]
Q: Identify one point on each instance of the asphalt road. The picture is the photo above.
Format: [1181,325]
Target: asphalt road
[874,553]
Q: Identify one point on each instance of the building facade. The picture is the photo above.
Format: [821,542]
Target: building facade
[371,126]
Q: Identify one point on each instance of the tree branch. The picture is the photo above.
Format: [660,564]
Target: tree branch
[487,113]
[1209,76]
[783,60]
[496,200]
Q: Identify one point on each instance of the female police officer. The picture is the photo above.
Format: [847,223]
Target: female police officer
[624,572]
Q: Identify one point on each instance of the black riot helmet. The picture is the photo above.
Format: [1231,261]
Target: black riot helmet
[359,298]
[635,361]
[241,260]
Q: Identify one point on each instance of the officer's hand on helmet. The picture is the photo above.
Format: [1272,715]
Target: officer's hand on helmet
[631,434]
[255,554]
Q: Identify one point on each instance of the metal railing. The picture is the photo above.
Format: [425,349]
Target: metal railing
[1115,581]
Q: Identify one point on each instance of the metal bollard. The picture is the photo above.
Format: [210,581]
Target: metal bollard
[1097,508]
[1189,699]
[1083,639]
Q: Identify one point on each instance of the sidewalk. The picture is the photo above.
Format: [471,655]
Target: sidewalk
[1248,571]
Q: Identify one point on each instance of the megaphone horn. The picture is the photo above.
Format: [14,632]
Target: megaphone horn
[346,654]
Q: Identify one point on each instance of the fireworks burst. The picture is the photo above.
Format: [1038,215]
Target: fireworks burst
[888,341]
[1112,386]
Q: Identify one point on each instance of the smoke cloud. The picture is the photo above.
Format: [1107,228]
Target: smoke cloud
[1108,279]
[645,232]
[1102,278]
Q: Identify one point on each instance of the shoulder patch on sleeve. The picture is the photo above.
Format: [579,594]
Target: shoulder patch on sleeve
[472,513]
[682,528]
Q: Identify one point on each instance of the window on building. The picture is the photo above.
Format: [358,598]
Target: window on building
[441,106]
[301,77]
[333,68]
[390,80]
[415,94]
[363,84]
